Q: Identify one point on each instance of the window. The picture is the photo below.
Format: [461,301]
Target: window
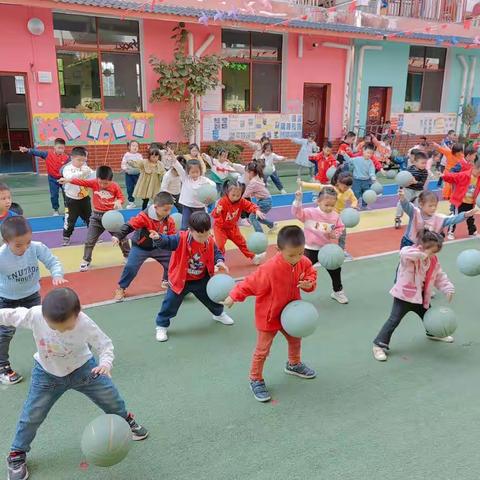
[253,77]
[19,84]
[426,67]
[98,63]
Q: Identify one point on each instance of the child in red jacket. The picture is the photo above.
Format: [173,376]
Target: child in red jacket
[155,218]
[226,215]
[194,260]
[276,284]
[324,160]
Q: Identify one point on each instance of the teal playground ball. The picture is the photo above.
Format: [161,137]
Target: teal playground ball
[268,170]
[468,262]
[440,321]
[206,194]
[404,178]
[331,172]
[177,218]
[350,217]
[219,287]
[112,221]
[299,318]
[331,256]
[106,440]
[257,242]
[369,197]
[377,187]
[390,174]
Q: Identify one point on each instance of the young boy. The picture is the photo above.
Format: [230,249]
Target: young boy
[5,202]
[77,198]
[20,280]
[275,284]
[323,161]
[59,326]
[345,149]
[194,260]
[54,162]
[155,218]
[107,195]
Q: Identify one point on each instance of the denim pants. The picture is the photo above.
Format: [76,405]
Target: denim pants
[46,389]
[55,188]
[135,260]
[264,205]
[406,242]
[276,180]
[130,182]
[359,187]
[7,333]
[402,162]
[172,301]
[186,214]
[342,240]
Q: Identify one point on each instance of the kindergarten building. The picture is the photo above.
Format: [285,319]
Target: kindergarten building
[79,69]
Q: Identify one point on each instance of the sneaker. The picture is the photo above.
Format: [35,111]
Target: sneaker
[347,256]
[66,241]
[340,297]
[223,318]
[138,432]
[451,236]
[398,223]
[379,353]
[9,376]
[257,259]
[84,266]
[165,285]
[283,191]
[131,205]
[259,390]
[55,213]
[119,294]
[17,466]
[300,370]
[448,339]
[273,229]
[474,235]
[161,334]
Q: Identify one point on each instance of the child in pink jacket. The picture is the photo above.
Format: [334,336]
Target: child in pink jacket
[322,226]
[418,273]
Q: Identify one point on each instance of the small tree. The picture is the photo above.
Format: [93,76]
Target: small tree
[469,119]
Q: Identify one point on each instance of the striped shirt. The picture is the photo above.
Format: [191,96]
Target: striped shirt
[420,176]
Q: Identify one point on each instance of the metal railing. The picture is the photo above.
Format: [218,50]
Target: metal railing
[435,10]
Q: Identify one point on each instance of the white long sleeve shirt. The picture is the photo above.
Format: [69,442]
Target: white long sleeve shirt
[60,353]
[271,158]
[76,192]
[171,183]
[188,194]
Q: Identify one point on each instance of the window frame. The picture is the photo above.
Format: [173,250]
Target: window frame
[99,50]
[250,62]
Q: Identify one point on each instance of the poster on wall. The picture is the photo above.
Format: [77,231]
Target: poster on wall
[92,128]
[424,123]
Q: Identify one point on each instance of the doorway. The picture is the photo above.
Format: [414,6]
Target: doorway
[315,110]
[14,125]
[378,108]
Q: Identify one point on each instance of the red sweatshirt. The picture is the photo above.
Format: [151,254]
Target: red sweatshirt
[461,181]
[275,284]
[323,165]
[103,199]
[53,161]
[230,213]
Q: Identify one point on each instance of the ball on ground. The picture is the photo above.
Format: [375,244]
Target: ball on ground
[331,172]
[369,197]
[268,170]
[106,440]
[404,178]
[177,218]
[350,217]
[468,262]
[206,194]
[299,318]
[331,256]
[257,242]
[112,221]
[440,321]
[377,187]
[390,174]
[219,287]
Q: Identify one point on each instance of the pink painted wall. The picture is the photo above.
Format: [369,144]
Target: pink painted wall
[21,52]
[318,65]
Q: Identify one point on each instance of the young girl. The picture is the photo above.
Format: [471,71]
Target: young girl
[322,226]
[307,149]
[258,147]
[419,271]
[168,155]
[172,183]
[194,154]
[151,173]
[131,173]
[256,189]
[221,168]
[226,215]
[270,158]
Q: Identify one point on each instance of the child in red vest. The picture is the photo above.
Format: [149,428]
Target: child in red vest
[195,259]
[155,218]
[226,215]
[276,284]
[54,161]
[324,160]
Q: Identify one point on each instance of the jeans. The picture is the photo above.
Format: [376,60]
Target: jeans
[276,180]
[130,182]
[46,389]
[172,301]
[186,214]
[342,240]
[402,162]
[465,207]
[359,187]
[7,333]
[406,242]
[309,170]
[135,260]
[76,208]
[55,188]
[335,275]
[264,205]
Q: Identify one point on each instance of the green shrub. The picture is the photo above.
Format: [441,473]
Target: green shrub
[234,150]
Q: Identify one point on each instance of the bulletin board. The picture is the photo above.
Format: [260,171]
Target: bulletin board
[424,123]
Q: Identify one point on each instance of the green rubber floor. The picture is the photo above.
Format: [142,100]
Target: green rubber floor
[414,417]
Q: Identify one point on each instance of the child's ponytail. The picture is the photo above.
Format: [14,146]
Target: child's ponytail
[255,167]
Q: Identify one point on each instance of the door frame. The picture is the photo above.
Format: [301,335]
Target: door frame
[388,102]
[325,135]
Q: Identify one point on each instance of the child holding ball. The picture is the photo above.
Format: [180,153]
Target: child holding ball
[419,271]
[275,284]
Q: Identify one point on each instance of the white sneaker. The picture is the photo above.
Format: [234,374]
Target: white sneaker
[474,235]
[283,191]
[257,259]
[451,236]
[448,339]
[379,353]
[161,334]
[274,228]
[348,257]
[131,205]
[223,318]
[340,297]
[55,213]
[84,266]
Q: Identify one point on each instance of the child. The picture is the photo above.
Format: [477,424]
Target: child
[324,160]
[453,157]
[194,260]
[345,149]
[258,147]
[54,161]
[464,195]
[275,284]
[322,226]
[151,172]
[20,280]
[131,173]
[269,158]
[107,196]
[77,198]
[419,271]
[226,215]
[5,202]
[307,149]
[168,155]
[221,168]
[60,326]
[419,172]
[256,189]
[157,219]
[172,183]
[194,154]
